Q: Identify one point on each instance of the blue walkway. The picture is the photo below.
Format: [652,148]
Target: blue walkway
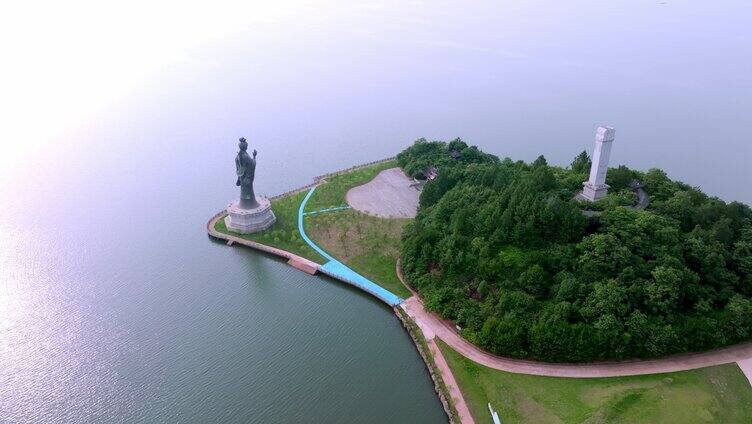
[338,208]
[339,270]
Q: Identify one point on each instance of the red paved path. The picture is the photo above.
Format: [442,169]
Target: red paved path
[454,390]
[432,326]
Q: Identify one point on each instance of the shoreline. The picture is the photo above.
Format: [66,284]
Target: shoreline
[441,388]
[313,268]
[423,327]
[296,261]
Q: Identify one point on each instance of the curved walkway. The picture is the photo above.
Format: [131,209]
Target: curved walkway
[432,326]
[332,268]
[297,261]
[340,271]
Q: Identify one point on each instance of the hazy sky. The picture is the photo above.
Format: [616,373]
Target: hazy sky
[518,78]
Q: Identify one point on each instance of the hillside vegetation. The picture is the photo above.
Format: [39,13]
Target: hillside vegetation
[501,248]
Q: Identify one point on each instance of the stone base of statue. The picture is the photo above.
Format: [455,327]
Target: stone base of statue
[247,221]
[593,192]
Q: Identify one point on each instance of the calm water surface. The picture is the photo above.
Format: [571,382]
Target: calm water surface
[116,307]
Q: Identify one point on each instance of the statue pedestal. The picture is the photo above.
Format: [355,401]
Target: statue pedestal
[247,221]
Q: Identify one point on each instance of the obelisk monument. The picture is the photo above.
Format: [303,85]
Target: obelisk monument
[249,213]
[595,187]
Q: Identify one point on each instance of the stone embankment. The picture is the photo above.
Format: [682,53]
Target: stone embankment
[350,169]
[319,178]
[293,260]
[425,349]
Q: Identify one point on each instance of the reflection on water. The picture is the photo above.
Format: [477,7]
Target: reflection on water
[114,305]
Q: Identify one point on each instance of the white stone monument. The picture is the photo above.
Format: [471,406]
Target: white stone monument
[595,187]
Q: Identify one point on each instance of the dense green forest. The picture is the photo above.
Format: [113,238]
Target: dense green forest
[501,248]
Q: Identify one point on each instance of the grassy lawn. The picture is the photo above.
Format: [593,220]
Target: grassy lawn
[718,394]
[367,244]
[284,233]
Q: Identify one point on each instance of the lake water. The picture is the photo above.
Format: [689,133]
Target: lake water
[122,309]
[114,304]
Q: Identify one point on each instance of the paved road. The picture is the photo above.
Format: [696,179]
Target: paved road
[642,199]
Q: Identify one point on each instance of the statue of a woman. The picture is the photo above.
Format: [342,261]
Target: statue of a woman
[246,169]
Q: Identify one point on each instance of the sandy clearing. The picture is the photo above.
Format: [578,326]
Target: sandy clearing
[388,195]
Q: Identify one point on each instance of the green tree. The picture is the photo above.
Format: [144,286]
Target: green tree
[681,208]
[602,255]
[534,280]
[606,298]
[740,317]
[539,161]
[620,178]
[581,163]
[506,336]
[663,289]
[501,248]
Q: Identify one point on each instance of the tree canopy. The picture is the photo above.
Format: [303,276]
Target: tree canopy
[501,248]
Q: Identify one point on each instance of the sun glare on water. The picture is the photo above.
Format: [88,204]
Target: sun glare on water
[66,61]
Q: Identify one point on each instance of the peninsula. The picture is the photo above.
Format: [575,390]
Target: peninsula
[498,266]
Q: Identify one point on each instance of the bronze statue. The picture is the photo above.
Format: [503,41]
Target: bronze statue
[246,169]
